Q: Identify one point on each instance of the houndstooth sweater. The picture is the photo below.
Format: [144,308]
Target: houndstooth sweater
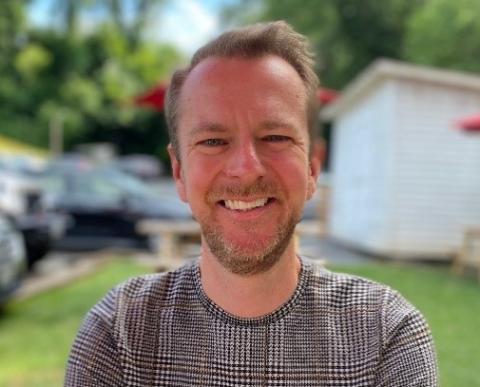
[336,330]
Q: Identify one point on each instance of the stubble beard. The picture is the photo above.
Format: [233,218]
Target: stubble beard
[257,256]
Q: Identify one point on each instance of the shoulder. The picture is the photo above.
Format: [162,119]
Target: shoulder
[161,285]
[142,294]
[350,296]
[342,288]
[346,291]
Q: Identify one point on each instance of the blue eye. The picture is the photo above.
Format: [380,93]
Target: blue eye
[212,142]
[275,138]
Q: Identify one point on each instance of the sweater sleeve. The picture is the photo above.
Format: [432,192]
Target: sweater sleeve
[94,359]
[408,356]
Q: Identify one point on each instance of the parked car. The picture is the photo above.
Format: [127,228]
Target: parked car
[40,229]
[21,199]
[17,191]
[145,167]
[12,258]
[105,205]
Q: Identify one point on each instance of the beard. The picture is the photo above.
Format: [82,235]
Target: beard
[257,255]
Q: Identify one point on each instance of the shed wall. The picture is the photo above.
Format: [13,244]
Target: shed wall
[361,165]
[436,169]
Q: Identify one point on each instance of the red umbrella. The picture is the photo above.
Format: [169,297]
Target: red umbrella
[326,96]
[155,97]
[470,123]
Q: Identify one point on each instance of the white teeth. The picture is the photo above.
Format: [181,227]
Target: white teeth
[244,206]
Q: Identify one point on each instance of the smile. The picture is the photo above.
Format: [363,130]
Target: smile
[241,205]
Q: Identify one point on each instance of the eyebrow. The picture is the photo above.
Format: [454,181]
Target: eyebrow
[208,127]
[272,125]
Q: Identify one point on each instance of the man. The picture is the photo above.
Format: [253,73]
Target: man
[249,312]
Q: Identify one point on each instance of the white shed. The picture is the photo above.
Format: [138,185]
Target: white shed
[405,183]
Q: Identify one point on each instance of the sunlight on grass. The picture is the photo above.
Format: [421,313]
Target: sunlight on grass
[36,334]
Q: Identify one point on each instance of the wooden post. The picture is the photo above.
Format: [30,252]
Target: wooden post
[56,135]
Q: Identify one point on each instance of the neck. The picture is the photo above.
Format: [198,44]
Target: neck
[254,295]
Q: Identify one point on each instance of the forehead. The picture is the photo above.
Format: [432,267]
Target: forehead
[269,68]
[245,84]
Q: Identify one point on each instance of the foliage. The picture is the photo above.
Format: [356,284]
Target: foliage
[86,81]
[130,17]
[446,34]
[36,334]
[345,34]
[12,27]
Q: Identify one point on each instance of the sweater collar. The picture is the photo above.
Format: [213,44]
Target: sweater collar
[279,313]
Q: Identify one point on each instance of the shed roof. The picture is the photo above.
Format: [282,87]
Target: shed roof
[383,69]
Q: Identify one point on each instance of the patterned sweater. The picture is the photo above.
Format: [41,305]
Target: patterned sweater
[335,330]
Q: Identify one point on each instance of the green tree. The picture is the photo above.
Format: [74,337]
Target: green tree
[92,81]
[446,34]
[346,34]
[12,28]
[85,81]
[69,11]
[130,17]
[16,70]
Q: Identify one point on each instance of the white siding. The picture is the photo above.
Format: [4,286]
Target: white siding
[436,185]
[360,170]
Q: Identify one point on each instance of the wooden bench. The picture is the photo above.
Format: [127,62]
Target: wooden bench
[469,254]
[171,233]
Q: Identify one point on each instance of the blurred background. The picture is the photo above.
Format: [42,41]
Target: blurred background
[86,198]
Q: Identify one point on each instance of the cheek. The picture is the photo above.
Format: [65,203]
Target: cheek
[199,178]
[294,174]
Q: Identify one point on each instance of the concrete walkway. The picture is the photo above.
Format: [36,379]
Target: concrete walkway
[333,253]
[59,269]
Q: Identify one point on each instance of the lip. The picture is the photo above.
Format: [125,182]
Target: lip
[252,214]
[247,198]
[260,202]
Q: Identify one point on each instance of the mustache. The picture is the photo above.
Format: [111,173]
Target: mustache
[258,188]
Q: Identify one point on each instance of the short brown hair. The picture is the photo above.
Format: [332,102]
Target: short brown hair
[275,38]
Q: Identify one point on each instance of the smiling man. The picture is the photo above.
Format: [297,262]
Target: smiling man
[249,311]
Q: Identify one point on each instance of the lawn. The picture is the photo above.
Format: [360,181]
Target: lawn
[36,334]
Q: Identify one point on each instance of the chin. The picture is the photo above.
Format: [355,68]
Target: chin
[248,256]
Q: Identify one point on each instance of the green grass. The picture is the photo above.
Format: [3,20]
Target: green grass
[36,334]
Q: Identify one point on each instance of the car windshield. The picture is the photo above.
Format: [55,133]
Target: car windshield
[108,183]
[126,183]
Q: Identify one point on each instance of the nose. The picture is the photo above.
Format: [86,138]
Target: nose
[244,162]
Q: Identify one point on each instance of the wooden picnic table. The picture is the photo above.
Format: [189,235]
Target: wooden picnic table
[171,233]
[469,254]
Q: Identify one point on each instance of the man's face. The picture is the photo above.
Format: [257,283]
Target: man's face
[244,164]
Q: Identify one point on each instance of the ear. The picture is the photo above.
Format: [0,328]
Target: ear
[316,158]
[177,173]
